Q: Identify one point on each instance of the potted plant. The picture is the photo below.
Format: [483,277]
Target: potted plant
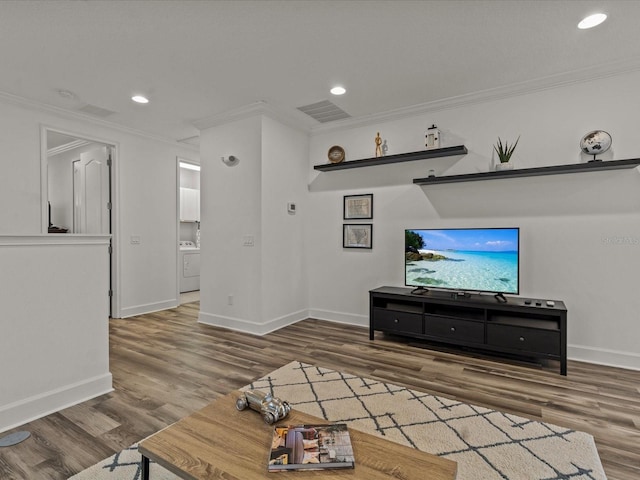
[504,152]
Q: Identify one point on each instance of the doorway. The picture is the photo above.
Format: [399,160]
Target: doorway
[77,190]
[188,208]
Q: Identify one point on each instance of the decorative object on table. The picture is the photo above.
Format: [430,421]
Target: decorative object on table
[595,142]
[385,148]
[504,152]
[311,447]
[336,154]
[271,408]
[433,138]
[358,207]
[357,235]
[378,145]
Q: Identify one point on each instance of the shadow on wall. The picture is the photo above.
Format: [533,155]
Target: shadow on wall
[591,193]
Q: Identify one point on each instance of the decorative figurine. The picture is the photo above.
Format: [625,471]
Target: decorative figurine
[271,408]
[433,137]
[385,148]
[378,145]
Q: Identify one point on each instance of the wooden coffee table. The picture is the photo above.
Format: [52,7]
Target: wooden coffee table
[221,442]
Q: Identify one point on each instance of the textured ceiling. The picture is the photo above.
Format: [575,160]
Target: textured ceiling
[198,59]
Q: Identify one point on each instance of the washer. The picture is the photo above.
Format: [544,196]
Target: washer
[190,266]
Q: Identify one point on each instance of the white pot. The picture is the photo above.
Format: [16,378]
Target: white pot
[504,166]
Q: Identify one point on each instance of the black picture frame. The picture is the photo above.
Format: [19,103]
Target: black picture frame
[357,235]
[357,207]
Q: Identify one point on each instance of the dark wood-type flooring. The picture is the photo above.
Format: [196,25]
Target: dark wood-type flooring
[165,366]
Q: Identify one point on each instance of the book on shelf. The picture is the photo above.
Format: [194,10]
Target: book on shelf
[310,447]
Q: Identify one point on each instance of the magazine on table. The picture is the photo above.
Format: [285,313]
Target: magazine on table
[310,447]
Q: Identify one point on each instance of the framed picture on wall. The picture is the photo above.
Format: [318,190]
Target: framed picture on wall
[358,207]
[357,235]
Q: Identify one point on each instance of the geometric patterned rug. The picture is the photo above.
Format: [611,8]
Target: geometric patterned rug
[487,444]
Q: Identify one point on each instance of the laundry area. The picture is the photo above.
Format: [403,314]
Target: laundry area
[189,242]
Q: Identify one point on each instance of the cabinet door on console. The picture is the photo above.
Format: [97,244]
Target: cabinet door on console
[525,339]
[395,321]
[454,330]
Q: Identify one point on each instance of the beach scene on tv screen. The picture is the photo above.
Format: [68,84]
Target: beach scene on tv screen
[482,260]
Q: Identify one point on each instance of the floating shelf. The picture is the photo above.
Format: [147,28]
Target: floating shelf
[532,172]
[402,157]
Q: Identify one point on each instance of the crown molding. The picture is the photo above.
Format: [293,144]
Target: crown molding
[253,109]
[39,106]
[575,77]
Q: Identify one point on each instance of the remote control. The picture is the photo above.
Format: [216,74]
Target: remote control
[550,303]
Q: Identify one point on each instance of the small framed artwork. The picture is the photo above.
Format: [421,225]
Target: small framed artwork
[357,235]
[358,207]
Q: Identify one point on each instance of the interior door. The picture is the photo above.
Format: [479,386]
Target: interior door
[91,192]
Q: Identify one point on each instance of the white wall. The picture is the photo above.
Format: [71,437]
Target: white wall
[145,198]
[267,281]
[54,337]
[284,279]
[570,224]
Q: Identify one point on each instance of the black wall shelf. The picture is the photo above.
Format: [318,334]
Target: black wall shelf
[531,172]
[402,157]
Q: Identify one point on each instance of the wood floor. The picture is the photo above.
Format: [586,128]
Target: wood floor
[165,365]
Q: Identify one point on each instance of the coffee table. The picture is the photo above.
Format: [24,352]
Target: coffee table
[221,442]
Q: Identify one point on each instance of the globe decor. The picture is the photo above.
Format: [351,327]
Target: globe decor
[594,143]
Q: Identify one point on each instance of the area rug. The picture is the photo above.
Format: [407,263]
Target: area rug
[487,444]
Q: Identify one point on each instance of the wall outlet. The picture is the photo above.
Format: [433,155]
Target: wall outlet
[135,239]
[248,241]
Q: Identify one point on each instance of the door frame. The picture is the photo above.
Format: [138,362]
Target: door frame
[178,256]
[114,185]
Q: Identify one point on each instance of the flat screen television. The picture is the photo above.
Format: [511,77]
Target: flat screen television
[463,259]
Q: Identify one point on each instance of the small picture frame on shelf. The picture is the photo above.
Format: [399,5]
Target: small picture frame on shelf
[357,235]
[358,207]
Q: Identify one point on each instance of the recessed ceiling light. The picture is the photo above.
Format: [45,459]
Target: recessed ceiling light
[140,99]
[592,20]
[338,90]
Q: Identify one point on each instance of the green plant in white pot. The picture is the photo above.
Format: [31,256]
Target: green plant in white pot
[504,152]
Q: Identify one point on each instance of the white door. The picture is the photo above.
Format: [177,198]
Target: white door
[91,195]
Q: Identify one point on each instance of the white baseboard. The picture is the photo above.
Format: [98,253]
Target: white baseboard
[247,326]
[339,317]
[148,308]
[29,409]
[603,356]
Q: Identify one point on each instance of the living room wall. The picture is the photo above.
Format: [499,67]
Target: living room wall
[580,233]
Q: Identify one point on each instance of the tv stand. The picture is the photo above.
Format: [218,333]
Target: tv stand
[419,291]
[500,297]
[521,327]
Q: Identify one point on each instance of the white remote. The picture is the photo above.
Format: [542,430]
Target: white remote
[550,303]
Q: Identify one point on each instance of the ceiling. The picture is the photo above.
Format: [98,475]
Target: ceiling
[202,59]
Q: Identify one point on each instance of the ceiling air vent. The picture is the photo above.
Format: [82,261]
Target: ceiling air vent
[96,111]
[324,111]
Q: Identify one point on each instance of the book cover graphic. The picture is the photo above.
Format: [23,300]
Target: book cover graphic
[311,447]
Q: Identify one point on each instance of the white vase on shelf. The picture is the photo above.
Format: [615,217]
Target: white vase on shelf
[504,166]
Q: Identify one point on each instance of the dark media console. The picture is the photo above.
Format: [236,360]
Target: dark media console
[521,327]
